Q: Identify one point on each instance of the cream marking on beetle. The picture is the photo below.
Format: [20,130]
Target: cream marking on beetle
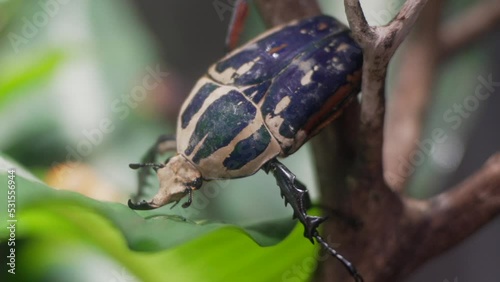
[299,140]
[196,148]
[272,150]
[337,64]
[333,43]
[253,94]
[215,161]
[225,76]
[184,135]
[282,105]
[212,167]
[245,67]
[306,79]
[274,124]
[305,66]
[230,74]
[342,47]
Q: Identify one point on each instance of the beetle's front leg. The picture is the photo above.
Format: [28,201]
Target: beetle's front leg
[295,193]
[164,143]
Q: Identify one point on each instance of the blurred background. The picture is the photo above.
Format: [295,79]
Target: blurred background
[87,86]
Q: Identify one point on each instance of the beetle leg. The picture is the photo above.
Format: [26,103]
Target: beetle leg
[190,198]
[163,144]
[295,194]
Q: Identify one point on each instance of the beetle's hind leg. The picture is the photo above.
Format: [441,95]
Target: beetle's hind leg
[296,195]
[163,144]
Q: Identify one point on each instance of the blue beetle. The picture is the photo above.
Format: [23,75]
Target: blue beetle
[262,101]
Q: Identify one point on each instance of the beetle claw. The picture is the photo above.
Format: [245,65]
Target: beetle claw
[190,198]
[142,205]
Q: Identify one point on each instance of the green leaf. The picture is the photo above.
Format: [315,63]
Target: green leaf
[224,255]
[175,247]
[144,231]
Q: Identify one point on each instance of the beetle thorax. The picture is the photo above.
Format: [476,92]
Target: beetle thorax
[175,178]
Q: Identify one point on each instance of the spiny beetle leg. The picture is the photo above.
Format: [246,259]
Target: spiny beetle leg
[164,143]
[347,264]
[295,194]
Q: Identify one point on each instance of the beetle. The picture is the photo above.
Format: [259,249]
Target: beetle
[260,102]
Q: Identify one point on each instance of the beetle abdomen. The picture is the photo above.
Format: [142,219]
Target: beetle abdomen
[223,133]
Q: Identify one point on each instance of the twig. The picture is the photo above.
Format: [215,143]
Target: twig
[411,94]
[462,210]
[379,44]
[467,27]
[361,31]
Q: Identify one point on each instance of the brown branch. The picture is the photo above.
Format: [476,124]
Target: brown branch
[411,94]
[468,27]
[401,25]
[386,225]
[457,213]
[379,44]
[361,31]
[429,43]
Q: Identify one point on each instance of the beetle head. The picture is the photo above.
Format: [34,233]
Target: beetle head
[178,178]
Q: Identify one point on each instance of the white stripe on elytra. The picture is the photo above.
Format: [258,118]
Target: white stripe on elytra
[230,74]
[184,135]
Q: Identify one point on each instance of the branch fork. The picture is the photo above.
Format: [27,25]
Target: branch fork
[351,175]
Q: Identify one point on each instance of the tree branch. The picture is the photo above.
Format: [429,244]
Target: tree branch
[457,213]
[468,27]
[400,26]
[349,162]
[361,31]
[408,104]
[379,44]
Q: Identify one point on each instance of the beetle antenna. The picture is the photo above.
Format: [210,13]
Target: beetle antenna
[349,266]
[153,165]
[175,204]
